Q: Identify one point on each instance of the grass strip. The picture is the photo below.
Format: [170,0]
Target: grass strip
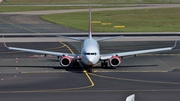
[152,20]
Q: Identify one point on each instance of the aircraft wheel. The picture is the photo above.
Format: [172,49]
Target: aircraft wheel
[106,64]
[75,64]
[90,70]
[102,64]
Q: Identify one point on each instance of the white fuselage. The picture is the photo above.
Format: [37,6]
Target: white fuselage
[90,52]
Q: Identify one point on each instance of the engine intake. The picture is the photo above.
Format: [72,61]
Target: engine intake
[114,61]
[65,61]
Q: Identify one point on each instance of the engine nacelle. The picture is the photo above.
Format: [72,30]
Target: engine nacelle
[114,61]
[65,61]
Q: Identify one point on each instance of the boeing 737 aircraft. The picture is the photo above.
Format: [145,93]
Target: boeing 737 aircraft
[90,52]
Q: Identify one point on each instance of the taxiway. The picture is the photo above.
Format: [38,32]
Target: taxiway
[27,76]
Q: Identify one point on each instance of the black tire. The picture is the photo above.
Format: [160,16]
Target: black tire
[75,64]
[102,64]
[106,64]
[90,70]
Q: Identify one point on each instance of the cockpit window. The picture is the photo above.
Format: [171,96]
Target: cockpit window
[90,53]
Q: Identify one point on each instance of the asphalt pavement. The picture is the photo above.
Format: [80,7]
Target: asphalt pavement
[27,76]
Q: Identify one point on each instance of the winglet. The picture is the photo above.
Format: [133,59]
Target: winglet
[174,44]
[5,43]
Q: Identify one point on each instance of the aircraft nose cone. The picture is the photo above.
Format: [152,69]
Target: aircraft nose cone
[90,59]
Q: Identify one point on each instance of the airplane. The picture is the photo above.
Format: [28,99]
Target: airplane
[131,98]
[90,52]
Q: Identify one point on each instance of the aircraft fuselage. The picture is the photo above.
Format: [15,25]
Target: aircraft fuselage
[90,52]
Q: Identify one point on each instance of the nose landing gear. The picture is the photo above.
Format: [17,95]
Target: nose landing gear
[89,68]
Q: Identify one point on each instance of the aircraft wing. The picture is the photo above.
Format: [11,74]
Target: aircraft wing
[108,56]
[41,51]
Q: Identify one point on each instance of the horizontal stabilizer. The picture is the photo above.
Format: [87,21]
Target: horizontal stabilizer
[107,38]
[72,38]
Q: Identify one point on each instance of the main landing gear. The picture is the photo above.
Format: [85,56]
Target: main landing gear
[104,64]
[75,64]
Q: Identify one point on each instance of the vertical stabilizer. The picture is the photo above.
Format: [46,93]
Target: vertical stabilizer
[90,25]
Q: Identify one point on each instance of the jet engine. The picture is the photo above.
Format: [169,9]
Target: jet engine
[65,61]
[114,61]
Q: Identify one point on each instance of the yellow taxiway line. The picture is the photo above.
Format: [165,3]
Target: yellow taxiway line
[92,83]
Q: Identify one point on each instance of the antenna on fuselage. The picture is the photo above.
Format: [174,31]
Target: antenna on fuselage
[90,24]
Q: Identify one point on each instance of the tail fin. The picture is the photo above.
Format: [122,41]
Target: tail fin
[90,25]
